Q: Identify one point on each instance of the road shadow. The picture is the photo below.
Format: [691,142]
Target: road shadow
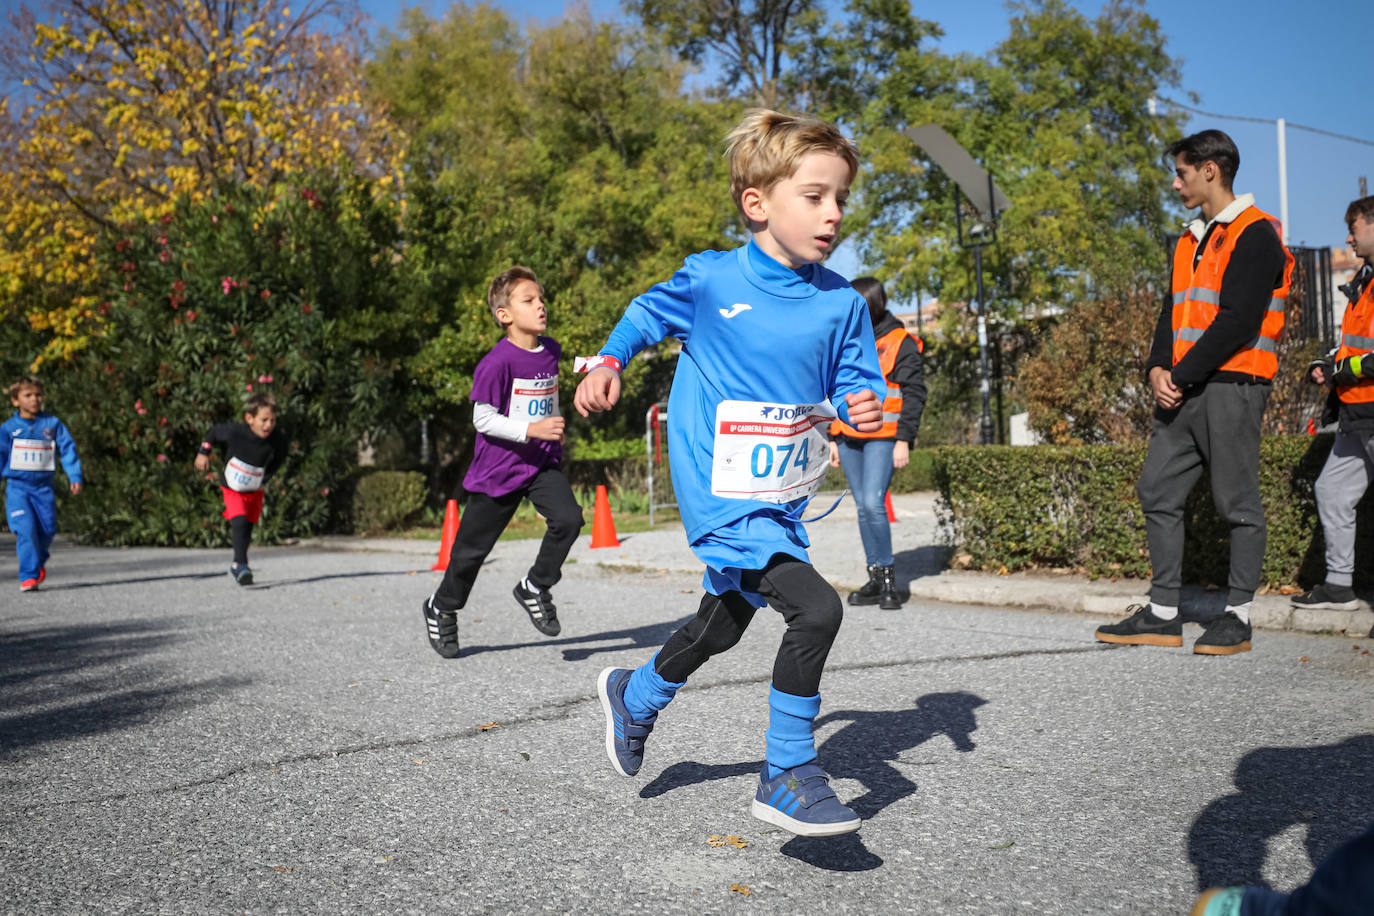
[866,748]
[306,580]
[863,750]
[114,583]
[649,636]
[1325,788]
[927,560]
[62,683]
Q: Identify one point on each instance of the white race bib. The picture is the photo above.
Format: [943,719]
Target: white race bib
[534,399]
[243,477]
[32,455]
[771,452]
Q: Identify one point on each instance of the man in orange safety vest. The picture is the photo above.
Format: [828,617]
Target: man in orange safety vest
[1214,357]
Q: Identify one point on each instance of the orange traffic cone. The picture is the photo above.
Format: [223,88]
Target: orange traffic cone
[450,532]
[887,503]
[603,527]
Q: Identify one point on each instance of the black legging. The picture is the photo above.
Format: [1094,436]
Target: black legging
[812,609]
[242,531]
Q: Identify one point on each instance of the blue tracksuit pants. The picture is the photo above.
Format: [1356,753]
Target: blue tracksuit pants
[31,513]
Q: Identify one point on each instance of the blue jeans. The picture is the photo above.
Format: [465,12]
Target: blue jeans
[867,466]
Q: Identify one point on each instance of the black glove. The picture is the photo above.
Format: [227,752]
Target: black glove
[1353,369]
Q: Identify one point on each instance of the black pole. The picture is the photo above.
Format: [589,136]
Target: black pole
[985,424]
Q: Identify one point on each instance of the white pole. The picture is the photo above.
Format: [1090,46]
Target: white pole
[1283,179]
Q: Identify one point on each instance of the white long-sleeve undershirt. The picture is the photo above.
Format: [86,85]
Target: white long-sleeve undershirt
[491,422]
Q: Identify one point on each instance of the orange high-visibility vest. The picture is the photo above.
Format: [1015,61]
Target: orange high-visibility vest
[888,345]
[1197,296]
[1357,339]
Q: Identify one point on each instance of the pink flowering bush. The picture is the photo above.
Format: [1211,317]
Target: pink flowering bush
[254,293]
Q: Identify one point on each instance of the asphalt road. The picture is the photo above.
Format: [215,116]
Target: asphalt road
[172,743]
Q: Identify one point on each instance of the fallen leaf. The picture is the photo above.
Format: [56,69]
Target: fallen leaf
[523,754]
[353,685]
[1008,844]
[687,591]
[732,840]
[418,760]
[1304,659]
[412,572]
[488,726]
[1356,647]
[1289,590]
[281,868]
[741,889]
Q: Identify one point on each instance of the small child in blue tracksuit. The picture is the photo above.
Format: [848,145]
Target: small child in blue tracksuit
[774,347]
[31,443]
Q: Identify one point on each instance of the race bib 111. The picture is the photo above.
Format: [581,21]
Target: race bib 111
[771,452]
[32,455]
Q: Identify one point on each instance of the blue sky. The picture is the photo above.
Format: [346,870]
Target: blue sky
[1246,58]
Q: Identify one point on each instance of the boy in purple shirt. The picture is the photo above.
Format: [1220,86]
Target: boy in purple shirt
[519,450]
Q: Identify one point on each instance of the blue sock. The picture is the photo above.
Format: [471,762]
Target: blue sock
[647,692]
[791,736]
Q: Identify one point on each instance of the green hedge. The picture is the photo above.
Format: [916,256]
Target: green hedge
[383,500]
[1050,506]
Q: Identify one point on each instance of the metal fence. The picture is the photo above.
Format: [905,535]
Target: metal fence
[656,451]
[1316,314]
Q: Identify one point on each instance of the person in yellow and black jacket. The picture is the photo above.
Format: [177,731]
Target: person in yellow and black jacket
[1346,474]
[1211,366]
[869,459]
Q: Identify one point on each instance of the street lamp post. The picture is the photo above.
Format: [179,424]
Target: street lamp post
[987,200]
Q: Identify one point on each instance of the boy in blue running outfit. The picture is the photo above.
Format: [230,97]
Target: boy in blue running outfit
[774,347]
[31,442]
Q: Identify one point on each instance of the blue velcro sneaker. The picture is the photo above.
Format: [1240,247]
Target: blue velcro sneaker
[801,800]
[624,734]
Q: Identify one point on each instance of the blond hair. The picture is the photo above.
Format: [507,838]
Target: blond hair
[767,147]
[498,293]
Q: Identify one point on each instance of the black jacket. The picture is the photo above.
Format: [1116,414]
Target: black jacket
[908,373]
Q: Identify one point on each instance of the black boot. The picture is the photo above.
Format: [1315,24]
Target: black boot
[869,593]
[889,599]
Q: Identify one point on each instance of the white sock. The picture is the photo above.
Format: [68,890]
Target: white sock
[529,586]
[1164,611]
[1240,610]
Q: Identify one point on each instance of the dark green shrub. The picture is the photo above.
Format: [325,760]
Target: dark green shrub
[384,500]
[1051,506]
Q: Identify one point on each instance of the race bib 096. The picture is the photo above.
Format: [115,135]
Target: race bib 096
[534,399]
[771,452]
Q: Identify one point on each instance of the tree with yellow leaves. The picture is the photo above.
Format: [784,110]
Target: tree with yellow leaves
[129,105]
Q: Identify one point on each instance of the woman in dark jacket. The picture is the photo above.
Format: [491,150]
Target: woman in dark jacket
[868,459]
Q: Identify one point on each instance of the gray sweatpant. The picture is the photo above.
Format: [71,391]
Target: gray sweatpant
[1341,485]
[1217,428]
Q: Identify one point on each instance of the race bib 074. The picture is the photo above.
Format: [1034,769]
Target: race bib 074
[32,455]
[771,452]
[243,477]
[534,399]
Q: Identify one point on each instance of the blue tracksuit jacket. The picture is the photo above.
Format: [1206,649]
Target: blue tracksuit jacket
[751,330]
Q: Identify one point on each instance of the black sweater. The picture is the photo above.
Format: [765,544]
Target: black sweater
[241,442]
[908,373]
[1253,273]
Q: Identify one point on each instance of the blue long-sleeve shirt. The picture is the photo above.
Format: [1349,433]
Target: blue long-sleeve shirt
[30,449]
[752,329]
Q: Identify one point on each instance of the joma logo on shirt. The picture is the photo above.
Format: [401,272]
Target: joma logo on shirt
[735,309]
[786,413]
